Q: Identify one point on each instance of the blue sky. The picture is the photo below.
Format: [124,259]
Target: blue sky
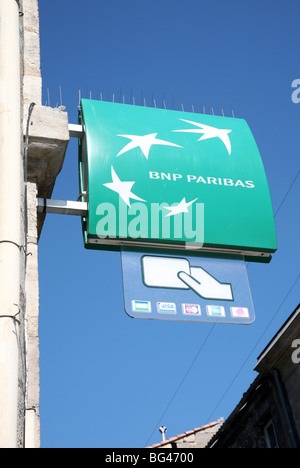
[108,380]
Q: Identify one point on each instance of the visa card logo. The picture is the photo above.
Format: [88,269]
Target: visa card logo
[166,308]
[215,311]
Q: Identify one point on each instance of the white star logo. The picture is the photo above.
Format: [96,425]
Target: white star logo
[144,142]
[122,188]
[182,207]
[209,132]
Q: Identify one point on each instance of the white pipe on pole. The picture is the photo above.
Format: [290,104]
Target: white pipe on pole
[10,219]
[30,429]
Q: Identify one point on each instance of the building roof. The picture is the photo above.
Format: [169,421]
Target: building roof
[281,339]
[243,402]
[283,336]
[185,434]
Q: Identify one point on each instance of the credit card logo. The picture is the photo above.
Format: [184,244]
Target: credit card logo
[166,308]
[191,309]
[215,311]
[239,312]
[141,306]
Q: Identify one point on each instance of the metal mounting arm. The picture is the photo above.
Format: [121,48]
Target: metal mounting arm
[65,207]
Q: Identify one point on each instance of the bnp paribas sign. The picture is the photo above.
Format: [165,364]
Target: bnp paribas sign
[163,178]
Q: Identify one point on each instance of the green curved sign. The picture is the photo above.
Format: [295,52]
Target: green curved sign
[156,177]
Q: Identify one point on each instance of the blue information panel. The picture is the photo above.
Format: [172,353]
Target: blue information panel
[196,287]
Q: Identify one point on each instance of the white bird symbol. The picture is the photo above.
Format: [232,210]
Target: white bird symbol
[209,132]
[144,142]
[122,188]
[182,207]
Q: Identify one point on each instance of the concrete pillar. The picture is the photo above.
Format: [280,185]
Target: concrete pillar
[32,415]
[48,140]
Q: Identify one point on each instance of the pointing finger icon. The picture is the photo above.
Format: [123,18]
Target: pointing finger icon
[205,285]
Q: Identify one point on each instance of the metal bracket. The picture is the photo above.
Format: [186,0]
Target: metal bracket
[65,207]
[76,131]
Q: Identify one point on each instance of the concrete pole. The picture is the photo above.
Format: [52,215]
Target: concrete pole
[10,219]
